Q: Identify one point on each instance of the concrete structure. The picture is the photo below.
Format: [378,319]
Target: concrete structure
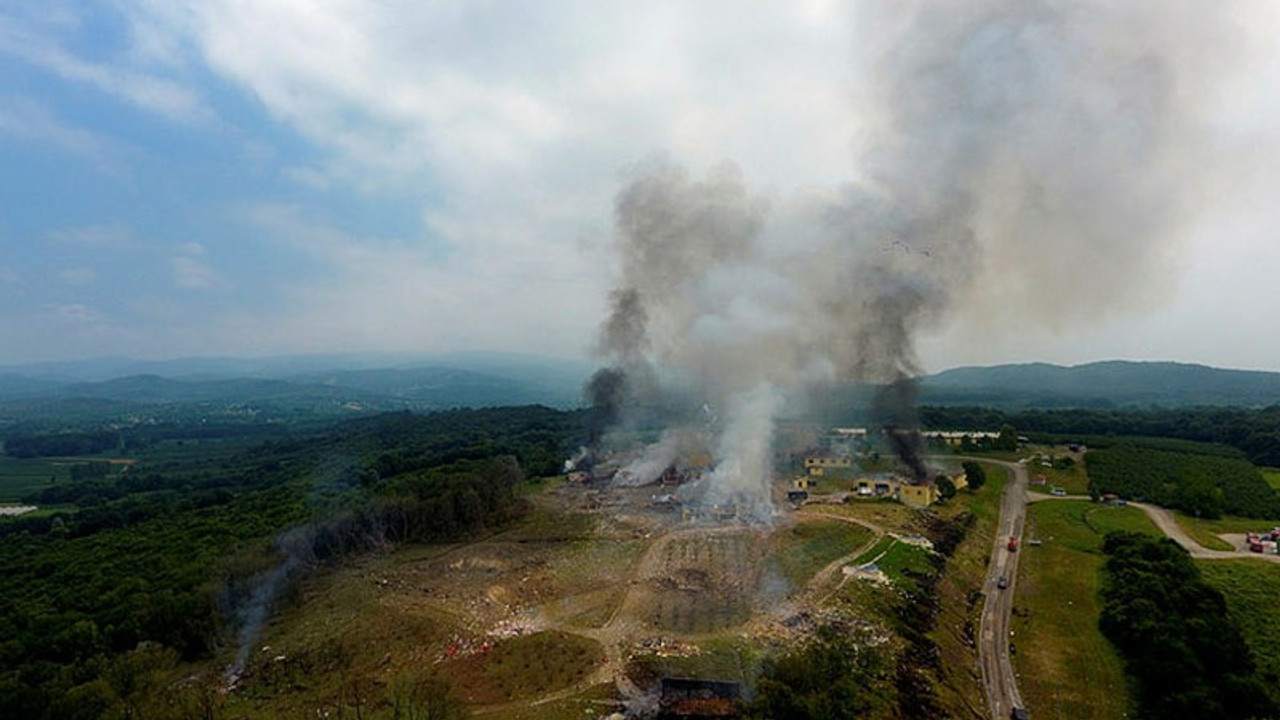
[877,486]
[818,464]
[918,495]
[957,437]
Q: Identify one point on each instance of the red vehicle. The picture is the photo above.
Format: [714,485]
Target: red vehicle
[1013,543]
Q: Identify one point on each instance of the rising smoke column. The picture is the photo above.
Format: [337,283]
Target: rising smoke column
[1021,162]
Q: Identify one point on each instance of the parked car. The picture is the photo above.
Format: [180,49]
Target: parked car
[1058,492]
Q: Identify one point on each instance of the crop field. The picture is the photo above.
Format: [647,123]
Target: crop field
[19,476]
[1066,667]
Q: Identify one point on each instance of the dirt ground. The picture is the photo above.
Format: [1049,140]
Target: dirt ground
[608,566]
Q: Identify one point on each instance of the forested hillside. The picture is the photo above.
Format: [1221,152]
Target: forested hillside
[138,569]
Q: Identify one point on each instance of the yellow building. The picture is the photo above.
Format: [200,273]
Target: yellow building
[817,465]
[918,496]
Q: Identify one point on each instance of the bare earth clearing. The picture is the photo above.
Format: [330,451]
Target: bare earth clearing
[600,587]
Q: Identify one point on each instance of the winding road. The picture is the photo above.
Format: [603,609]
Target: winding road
[998,679]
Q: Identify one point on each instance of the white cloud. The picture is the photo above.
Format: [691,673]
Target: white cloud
[192,273]
[78,314]
[164,96]
[78,276]
[107,236]
[29,120]
[510,126]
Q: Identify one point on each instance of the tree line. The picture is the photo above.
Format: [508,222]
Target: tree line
[1252,431]
[150,566]
[1187,657]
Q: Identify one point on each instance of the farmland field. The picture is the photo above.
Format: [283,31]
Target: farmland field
[19,476]
[1066,667]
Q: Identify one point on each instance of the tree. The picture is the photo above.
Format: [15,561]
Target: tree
[835,677]
[976,476]
[1007,440]
[945,487]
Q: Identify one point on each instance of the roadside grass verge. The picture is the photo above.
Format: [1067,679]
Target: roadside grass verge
[1066,667]
[960,593]
[1251,589]
[1206,532]
[811,544]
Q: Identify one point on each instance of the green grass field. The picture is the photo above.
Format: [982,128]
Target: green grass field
[807,547]
[1272,476]
[1206,532]
[19,476]
[1251,589]
[1066,667]
[1075,480]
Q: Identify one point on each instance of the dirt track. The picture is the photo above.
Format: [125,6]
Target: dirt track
[1164,519]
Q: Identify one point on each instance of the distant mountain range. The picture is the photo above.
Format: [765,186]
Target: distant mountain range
[1114,383]
[342,384]
[316,384]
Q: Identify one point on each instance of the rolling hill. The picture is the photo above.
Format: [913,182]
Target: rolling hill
[1109,384]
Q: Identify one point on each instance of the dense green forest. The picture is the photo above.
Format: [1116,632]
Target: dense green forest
[1202,485]
[1256,433]
[1187,657]
[156,563]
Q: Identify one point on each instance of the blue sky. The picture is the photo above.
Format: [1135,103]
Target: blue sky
[285,176]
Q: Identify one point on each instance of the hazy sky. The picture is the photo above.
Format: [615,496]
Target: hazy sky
[278,176]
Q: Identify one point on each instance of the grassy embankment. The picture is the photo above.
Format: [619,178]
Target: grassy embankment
[1251,588]
[960,596]
[959,590]
[1066,667]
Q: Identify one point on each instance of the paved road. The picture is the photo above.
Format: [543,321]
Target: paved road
[999,682]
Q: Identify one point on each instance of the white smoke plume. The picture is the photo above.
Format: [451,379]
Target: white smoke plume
[1026,161]
[654,461]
